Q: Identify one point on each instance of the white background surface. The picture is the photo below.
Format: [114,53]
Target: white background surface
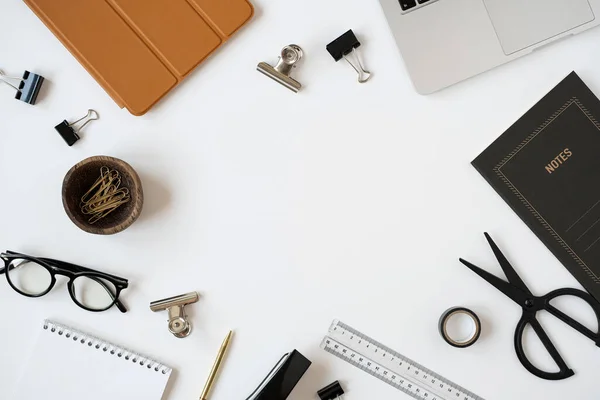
[286,210]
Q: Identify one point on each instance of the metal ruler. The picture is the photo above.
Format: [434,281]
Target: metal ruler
[390,366]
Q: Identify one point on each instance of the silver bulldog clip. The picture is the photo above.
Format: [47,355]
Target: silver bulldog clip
[179,325]
[290,56]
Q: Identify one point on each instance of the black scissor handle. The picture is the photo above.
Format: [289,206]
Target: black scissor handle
[585,296]
[529,318]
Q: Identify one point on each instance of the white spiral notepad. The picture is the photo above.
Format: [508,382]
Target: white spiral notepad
[67,364]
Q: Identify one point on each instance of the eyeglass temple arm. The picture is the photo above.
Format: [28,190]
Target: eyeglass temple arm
[79,268]
[3,255]
[10,268]
[121,306]
[65,265]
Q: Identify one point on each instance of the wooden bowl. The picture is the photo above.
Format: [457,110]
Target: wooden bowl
[80,179]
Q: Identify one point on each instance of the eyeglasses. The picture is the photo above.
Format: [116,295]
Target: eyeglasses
[34,277]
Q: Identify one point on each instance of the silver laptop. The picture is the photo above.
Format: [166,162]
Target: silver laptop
[446,41]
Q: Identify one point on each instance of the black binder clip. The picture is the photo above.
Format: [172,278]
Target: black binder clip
[67,130]
[331,392]
[343,47]
[28,87]
[283,378]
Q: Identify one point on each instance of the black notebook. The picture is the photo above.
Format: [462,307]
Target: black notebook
[547,168]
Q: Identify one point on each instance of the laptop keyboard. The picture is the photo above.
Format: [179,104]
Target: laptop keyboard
[410,5]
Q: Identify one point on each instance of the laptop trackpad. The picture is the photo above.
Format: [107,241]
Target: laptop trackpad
[523,23]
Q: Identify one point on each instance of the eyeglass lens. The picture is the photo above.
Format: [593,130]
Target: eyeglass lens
[94,293]
[29,277]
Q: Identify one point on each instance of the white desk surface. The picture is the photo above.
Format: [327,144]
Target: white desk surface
[286,210]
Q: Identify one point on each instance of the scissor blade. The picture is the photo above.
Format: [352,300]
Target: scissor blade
[509,290]
[509,271]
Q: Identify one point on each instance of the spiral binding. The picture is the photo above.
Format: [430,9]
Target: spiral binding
[96,343]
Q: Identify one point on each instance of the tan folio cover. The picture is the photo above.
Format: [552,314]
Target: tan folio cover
[138,50]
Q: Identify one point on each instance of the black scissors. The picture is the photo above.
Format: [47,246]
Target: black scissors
[516,289]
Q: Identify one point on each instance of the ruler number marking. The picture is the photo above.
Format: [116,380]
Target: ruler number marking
[418,386]
[380,372]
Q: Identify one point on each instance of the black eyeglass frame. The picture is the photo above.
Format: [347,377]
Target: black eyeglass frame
[71,271]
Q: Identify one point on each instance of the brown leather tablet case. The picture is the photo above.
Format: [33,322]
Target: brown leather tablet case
[138,50]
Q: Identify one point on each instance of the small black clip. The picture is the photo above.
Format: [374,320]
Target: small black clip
[331,392]
[28,88]
[343,47]
[67,130]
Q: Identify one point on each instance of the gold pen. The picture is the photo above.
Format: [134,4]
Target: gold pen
[215,368]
